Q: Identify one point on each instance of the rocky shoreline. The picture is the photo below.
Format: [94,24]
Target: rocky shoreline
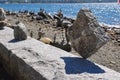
[44,25]
[108,55]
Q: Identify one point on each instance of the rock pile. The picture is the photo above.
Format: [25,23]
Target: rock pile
[20,31]
[86,35]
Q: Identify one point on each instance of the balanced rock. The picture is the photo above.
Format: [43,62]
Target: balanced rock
[86,35]
[2,18]
[2,14]
[20,31]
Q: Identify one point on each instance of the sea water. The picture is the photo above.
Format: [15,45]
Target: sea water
[107,13]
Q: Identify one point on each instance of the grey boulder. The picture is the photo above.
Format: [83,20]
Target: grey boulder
[86,35]
[20,31]
[2,18]
[2,14]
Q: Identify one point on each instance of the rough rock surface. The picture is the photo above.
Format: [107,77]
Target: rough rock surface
[2,18]
[2,14]
[20,32]
[86,35]
[33,60]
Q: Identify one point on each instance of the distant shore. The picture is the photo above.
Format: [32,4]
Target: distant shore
[51,2]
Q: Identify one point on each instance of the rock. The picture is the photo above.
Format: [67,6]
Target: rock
[39,17]
[46,40]
[117,30]
[59,23]
[33,60]
[86,35]
[2,18]
[111,34]
[69,19]
[42,14]
[2,14]
[112,62]
[20,31]
[2,24]
[66,23]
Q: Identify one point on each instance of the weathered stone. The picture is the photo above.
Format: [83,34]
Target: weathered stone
[86,35]
[2,18]
[20,32]
[32,60]
[2,14]
[46,40]
[66,23]
[2,24]
[117,30]
[59,23]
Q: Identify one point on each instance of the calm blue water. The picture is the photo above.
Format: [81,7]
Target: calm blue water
[108,13]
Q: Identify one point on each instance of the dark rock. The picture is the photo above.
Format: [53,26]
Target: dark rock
[2,24]
[69,19]
[42,14]
[31,13]
[39,17]
[46,21]
[20,31]
[86,35]
[59,23]
[117,30]
[56,17]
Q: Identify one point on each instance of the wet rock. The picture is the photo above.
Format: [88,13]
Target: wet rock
[86,35]
[20,31]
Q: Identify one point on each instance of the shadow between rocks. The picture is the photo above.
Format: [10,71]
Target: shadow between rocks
[75,65]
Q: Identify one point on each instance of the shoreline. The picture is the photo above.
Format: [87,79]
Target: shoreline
[56,2]
[108,55]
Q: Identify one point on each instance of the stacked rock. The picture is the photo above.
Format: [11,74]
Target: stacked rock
[20,31]
[2,18]
[86,35]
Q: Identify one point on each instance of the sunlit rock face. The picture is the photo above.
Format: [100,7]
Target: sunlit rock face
[86,35]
